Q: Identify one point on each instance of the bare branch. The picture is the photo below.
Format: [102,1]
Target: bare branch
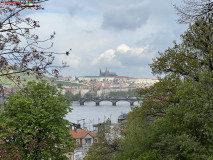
[193,10]
[20,49]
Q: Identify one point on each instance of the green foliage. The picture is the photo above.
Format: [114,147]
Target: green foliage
[100,151]
[106,149]
[73,97]
[33,126]
[158,97]
[136,140]
[150,155]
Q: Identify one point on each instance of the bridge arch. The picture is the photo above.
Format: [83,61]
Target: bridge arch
[106,102]
[119,102]
[112,100]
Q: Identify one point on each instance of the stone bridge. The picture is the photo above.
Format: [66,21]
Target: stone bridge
[110,99]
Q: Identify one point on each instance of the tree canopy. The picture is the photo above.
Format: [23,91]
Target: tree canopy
[33,126]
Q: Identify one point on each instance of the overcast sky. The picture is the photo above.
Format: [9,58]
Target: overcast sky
[122,35]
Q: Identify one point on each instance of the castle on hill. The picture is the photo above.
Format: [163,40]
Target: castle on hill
[107,73]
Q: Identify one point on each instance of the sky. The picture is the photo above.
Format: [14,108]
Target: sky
[121,35]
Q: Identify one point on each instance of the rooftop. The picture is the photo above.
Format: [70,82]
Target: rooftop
[81,133]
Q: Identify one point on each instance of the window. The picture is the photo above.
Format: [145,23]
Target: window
[77,141]
[88,140]
[96,140]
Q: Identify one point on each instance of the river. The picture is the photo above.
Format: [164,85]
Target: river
[96,114]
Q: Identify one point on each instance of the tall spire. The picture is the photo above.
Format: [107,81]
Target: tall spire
[100,71]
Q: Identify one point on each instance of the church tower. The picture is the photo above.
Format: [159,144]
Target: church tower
[107,73]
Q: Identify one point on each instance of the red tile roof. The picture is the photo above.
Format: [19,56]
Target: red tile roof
[69,88]
[106,85]
[81,133]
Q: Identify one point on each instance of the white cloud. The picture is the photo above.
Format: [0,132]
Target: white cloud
[123,48]
[123,56]
[108,58]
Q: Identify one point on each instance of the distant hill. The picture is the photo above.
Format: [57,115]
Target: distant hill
[24,78]
[64,83]
[30,76]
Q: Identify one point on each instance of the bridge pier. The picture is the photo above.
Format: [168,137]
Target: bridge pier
[114,103]
[131,103]
[97,103]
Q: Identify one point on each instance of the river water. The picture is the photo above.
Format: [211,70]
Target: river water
[96,114]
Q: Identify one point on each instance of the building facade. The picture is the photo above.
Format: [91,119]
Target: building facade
[84,140]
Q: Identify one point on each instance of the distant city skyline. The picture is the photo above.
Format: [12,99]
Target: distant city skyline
[104,71]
